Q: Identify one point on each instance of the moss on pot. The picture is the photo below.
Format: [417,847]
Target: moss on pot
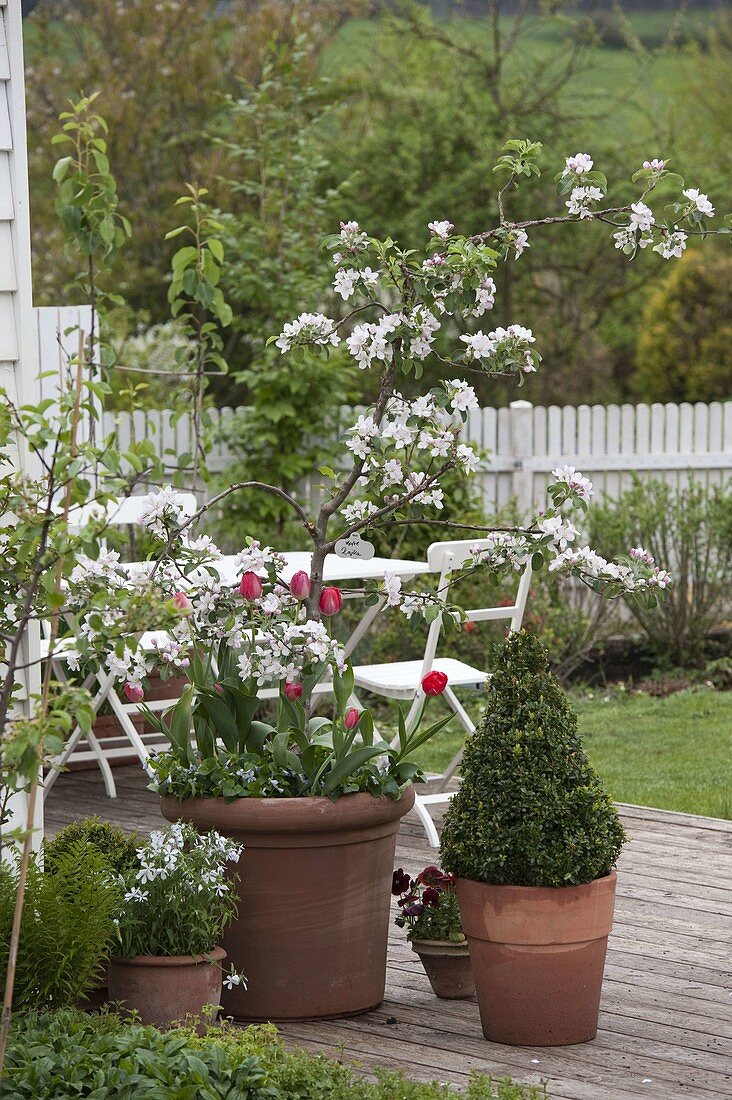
[531,810]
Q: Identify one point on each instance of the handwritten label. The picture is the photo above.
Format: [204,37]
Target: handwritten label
[355,547]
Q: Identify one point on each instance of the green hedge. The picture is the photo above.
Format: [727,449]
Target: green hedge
[70,1054]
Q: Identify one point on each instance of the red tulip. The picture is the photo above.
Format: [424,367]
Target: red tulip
[352,718]
[331,601]
[250,586]
[292,690]
[133,693]
[182,603]
[434,683]
[300,585]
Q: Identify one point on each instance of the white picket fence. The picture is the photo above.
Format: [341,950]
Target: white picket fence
[524,443]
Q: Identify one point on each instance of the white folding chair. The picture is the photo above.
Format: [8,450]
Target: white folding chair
[403,679]
[117,513]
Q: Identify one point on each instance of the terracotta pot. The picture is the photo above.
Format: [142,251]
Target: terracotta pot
[538,957]
[163,989]
[315,891]
[447,965]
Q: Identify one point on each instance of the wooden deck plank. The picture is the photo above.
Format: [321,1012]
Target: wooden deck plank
[666,1020]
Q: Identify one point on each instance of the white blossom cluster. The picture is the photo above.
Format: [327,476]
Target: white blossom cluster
[581,201]
[503,351]
[308,329]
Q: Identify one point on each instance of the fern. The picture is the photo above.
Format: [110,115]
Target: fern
[67,927]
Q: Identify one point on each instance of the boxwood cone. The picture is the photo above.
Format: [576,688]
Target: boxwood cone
[533,838]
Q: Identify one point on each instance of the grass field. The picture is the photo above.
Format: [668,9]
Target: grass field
[673,753]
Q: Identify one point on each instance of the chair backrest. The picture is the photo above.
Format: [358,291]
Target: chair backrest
[125,511]
[447,557]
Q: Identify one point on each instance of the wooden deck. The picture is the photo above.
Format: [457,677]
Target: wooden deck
[666,1022]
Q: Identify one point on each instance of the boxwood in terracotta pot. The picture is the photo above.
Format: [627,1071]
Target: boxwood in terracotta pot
[533,838]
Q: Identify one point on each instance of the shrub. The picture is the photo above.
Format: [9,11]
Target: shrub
[688,531]
[118,848]
[67,926]
[531,810]
[56,1055]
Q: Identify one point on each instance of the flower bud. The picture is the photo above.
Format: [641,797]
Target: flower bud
[133,693]
[250,586]
[331,601]
[292,690]
[352,718]
[300,585]
[182,603]
[434,683]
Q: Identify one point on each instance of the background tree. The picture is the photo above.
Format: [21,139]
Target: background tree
[684,350]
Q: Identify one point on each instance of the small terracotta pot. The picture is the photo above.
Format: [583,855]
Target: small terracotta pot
[538,956]
[314,900]
[447,965]
[163,989]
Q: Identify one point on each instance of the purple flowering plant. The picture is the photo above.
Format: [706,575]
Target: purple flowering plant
[428,904]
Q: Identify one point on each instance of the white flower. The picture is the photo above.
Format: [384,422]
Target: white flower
[136,894]
[467,458]
[308,328]
[345,282]
[654,165]
[560,530]
[700,201]
[625,239]
[520,242]
[392,473]
[233,979]
[641,216]
[580,200]
[485,296]
[462,396]
[576,483]
[358,511]
[440,229]
[393,589]
[479,346]
[160,510]
[579,164]
[671,245]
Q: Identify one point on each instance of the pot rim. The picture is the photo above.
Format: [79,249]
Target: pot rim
[216,955]
[510,892]
[439,943]
[291,815]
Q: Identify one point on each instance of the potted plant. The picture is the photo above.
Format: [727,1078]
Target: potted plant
[429,909]
[532,839]
[177,903]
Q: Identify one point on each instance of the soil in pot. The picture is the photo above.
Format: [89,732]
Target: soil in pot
[315,891]
[164,989]
[447,965]
[538,957]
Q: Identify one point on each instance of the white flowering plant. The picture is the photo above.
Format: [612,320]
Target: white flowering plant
[180,896]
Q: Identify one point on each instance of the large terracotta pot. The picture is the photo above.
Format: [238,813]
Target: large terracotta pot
[314,894]
[447,965]
[538,956]
[163,989]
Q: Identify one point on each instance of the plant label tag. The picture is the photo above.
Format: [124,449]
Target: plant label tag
[353,546]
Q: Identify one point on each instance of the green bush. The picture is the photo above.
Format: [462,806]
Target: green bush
[67,926]
[689,532]
[531,810]
[64,1054]
[118,848]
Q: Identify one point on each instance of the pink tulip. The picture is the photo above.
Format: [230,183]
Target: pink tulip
[300,585]
[292,690]
[133,693]
[182,603]
[331,601]
[352,718]
[250,586]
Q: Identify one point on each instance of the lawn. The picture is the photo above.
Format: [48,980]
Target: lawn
[673,753]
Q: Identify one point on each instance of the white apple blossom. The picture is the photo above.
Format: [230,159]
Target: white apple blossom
[440,229]
[358,511]
[485,296]
[654,165]
[580,486]
[641,216]
[579,164]
[520,242]
[392,588]
[308,328]
[581,199]
[463,397]
[700,201]
[671,245]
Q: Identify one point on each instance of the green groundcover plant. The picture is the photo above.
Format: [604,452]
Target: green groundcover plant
[118,848]
[531,810]
[68,1054]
